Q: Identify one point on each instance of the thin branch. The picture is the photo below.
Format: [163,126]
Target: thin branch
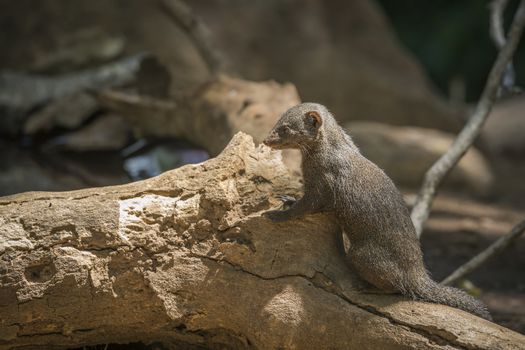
[197,30]
[497,8]
[132,106]
[497,33]
[492,250]
[470,131]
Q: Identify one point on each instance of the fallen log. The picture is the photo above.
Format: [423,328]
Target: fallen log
[187,260]
[210,116]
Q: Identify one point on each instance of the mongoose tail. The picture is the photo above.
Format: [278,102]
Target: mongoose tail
[426,289]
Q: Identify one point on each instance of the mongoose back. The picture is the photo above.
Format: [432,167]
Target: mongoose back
[384,248]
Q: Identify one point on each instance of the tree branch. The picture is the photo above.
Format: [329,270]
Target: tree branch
[497,8]
[197,30]
[492,250]
[466,137]
[497,33]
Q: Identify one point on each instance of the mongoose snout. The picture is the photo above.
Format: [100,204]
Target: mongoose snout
[271,140]
[275,141]
[384,248]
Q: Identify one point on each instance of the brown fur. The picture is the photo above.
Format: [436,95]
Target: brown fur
[384,249]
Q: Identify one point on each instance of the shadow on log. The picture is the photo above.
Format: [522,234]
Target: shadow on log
[186,259]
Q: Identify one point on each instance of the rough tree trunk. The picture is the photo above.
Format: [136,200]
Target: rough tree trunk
[186,259]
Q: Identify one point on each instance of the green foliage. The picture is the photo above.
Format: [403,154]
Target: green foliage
[451,39]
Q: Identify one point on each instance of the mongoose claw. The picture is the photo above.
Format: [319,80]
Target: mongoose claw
[276,215]
[287,200]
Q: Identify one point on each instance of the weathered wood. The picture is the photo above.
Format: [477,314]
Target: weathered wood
[210,116]
[186,259]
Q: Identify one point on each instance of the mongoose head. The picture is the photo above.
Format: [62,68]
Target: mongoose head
[298,126]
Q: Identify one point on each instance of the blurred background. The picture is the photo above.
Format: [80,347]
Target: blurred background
[104,92]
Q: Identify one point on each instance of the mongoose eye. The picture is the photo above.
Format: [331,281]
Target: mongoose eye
[284,129]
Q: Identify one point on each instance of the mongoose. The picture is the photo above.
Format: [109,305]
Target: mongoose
[384,248]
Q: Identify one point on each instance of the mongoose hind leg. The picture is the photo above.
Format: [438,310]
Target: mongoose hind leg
[365,287]
[360,284]
[378,272]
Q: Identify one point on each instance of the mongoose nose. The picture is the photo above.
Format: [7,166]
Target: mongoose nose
[268,140]
[271,140]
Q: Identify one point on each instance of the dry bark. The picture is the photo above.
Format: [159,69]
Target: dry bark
[186,259]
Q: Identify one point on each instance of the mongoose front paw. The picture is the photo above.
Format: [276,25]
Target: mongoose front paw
[276,215]
[287,200]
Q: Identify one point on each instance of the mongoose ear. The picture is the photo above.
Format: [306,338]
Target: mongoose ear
[314,118]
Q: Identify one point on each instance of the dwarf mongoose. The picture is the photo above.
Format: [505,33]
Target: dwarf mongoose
[384,249]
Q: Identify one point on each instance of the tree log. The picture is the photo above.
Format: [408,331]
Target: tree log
[186,259]
[210,116]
